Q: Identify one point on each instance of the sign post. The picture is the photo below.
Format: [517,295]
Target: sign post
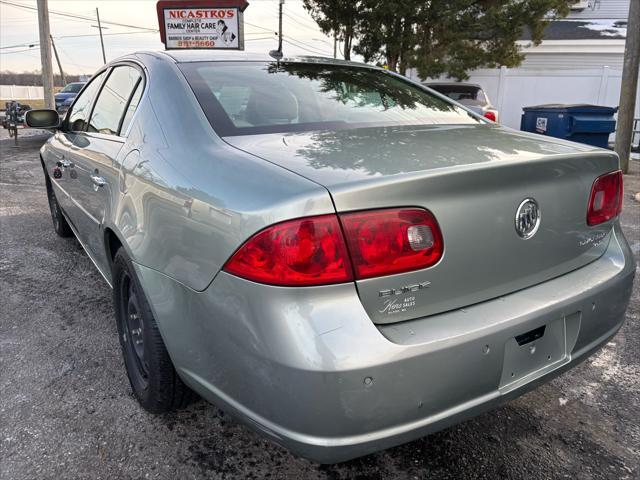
[202,24]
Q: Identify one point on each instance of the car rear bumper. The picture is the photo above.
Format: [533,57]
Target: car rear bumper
[307,367]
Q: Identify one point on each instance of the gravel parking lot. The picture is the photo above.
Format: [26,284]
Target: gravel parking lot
[66,409]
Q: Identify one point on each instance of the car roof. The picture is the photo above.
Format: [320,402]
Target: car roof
[188,56]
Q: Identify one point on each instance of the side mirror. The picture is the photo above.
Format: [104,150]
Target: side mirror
[43,118]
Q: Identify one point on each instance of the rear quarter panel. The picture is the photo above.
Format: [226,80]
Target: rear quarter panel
[188,200]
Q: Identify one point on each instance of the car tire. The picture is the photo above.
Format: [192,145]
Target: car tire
[154,380]
[60,224]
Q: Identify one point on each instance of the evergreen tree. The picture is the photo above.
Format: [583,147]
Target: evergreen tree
[436,36]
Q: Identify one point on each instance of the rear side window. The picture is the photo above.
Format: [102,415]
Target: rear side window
[132,107]
[113,99]
[82,107]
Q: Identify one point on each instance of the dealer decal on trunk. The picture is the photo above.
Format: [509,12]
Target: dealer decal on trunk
[396,305]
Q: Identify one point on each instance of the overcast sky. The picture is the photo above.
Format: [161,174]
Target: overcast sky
[82,54]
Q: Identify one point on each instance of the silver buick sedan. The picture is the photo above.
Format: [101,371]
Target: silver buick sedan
[342,258]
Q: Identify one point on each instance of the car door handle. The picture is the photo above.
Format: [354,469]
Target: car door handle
[65,164]
[98,181]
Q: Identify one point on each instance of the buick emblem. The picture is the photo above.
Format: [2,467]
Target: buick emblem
[528,218]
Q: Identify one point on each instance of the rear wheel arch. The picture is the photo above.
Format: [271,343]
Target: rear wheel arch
[112,243]
[153,378]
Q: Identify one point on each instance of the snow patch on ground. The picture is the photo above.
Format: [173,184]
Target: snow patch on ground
[609,368]
[625,375]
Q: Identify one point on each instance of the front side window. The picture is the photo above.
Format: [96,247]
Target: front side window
[113,99]
[79,116]
[244,98]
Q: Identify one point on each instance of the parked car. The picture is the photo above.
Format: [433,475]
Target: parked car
[470,95]
[330,252]
[65,105]
[65,97]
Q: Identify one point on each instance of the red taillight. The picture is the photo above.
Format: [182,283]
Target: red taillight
[312,251]
[490,115]
[605,201]
[385,242]
[307,251]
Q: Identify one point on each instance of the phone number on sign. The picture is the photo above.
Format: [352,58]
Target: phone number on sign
[196,43]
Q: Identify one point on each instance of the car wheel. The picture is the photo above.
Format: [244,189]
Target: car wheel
[153,378]
[60,224]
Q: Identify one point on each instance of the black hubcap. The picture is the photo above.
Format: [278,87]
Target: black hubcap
[133,328]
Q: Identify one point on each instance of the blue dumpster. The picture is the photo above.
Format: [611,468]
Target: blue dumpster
[590,124]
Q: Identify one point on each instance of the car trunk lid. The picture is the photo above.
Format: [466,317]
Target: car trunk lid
[472,178]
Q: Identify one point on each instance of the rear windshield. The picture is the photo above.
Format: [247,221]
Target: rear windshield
[460,92]
[244,98]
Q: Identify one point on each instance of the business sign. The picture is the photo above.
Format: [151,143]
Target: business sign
[202,24]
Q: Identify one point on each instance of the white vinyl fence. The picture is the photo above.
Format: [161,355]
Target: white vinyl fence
[20,92]
[512,89]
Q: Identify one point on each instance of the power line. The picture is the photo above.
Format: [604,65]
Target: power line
[315,51]
[62,37]
[301,45]
[304,43]
[105,34]
[300,19]
[30,44]
[78,17]
[295,42]
[261,33]
[36,43]
[260,38]
[18,51]
[298,24]
[90,18]
[255,26]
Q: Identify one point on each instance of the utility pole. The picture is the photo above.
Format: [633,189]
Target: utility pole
[45,53]
[280,27]
[104,57]
[629,86]
[277,54]
[55,52]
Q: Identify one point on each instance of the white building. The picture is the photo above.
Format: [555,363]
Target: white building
[579,61]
